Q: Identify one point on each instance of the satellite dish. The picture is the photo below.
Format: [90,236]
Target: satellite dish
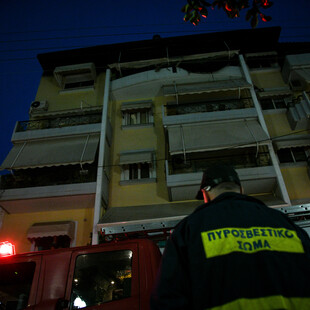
[35,104]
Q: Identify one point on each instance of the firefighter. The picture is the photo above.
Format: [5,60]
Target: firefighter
[233,252]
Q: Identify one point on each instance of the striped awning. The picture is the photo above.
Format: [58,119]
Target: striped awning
[52,152]
[51,229]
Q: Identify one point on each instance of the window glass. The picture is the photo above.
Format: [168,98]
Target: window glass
[267,104]
[299,154]
[143,117]
[133,171]
[285,156]
[145,171]
[133,118]
[55,242]
[15,284]
[100,278]
[279,103]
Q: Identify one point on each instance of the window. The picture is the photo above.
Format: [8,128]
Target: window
[75,76]
[15,284]
[292,155]
[100,278]
[139,171]
[55,242]
[137,166]
[273,103]
[51,235]
[137,114]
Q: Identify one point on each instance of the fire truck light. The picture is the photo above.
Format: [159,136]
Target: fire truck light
[7,249]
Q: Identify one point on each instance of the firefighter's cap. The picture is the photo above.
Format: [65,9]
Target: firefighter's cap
[215,175]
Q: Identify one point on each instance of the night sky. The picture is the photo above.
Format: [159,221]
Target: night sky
[28,28]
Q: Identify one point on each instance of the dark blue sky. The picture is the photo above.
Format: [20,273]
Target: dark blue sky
[28,28]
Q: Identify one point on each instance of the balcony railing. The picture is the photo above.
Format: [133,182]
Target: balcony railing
[58,122]
[177,165]
[210,106]
[49,176]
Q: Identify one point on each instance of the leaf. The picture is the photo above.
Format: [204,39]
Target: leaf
[254,21]
[249,14]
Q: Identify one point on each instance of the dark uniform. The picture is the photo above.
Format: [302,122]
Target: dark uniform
[235,253]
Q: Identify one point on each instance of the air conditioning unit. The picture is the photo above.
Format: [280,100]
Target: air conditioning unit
[38,107]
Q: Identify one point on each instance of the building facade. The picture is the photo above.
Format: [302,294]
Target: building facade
[121,133]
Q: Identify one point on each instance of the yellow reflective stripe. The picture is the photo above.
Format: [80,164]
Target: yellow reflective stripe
[267,303]
[250,240]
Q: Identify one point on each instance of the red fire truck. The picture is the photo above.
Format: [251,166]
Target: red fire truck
[117,274]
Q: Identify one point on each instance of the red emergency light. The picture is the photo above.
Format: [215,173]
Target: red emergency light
[7,249]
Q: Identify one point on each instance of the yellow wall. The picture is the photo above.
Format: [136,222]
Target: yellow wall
[59,100]
[267,79]
[15,226]
[135,139]
[297,182]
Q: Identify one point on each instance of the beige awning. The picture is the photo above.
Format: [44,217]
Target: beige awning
[75,73]
[213,136]
[136,157]
[51,229]
[52,152]
[136,105]
[206,87]
[294,141]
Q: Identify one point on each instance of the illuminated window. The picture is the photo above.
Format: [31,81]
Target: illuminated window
[100,278]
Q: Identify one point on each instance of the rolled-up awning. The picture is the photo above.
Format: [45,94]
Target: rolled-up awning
[294,141]
[205,136]
[52,152]
[136,105]
[206,87]
[51,229]
[136,157]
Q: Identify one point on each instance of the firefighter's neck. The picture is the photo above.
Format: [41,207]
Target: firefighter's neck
[214,192]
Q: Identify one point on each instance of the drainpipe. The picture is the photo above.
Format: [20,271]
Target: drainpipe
[1,217]
[262,122]
[100,170]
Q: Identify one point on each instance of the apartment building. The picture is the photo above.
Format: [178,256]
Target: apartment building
[123,132]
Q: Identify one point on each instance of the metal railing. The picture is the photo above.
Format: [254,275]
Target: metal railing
[48,176]
[210,106]
[180,166]
[58,122]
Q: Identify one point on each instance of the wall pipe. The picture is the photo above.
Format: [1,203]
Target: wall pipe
[262,122]
[100,169]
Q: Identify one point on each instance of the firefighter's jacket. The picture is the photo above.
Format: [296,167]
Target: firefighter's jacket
[235,253]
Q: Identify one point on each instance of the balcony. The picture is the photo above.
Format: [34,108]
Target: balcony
[258,176]
[50,188]
[59,126]
[298,113]
[58,122]
[189,112]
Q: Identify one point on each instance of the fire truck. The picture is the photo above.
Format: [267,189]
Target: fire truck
[116,274]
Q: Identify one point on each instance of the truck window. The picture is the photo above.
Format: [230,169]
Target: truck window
[101,277]
[15,284]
